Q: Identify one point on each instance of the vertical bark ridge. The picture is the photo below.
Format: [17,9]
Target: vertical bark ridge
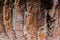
[8,7]
[31,20]
[2,27]
[18,19]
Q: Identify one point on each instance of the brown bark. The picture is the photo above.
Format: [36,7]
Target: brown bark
[2,27]
[8,19]
[31,21]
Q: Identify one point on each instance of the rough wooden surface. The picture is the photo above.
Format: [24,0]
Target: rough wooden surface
[27,20]
[7,17]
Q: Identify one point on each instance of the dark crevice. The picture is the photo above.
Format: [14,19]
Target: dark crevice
[46,4]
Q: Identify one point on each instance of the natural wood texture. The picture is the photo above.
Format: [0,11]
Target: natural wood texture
[3,33]
[52,14]
[8,8]
[18,19]
[31,20]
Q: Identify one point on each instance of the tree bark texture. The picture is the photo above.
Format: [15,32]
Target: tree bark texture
[29,20]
